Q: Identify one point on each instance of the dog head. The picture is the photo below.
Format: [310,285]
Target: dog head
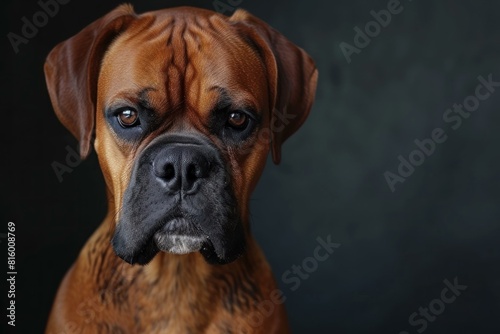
[182,106]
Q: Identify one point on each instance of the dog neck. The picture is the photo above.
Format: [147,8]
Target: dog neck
[186,278]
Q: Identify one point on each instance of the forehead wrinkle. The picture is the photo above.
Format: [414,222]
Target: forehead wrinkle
[149,27]
[176,66]
[137,27]
[134,94]
[213,67]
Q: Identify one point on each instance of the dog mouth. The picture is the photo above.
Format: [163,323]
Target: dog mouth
[178,236]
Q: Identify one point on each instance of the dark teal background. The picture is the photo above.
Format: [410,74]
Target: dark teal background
[396,247]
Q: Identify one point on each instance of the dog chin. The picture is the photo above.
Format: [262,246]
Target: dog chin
[178,236]
[178,244]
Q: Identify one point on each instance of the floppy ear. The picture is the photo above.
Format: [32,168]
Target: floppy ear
[292,77]
[71,71]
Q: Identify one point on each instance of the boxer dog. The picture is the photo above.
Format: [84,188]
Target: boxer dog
[182,106]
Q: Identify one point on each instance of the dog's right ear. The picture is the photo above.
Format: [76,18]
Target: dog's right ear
[71,71]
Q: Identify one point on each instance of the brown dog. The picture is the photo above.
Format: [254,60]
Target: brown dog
[185,104]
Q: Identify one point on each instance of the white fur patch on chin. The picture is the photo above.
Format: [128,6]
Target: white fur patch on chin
[178,244]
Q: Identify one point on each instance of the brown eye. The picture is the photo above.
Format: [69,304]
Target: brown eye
[128,118]
[237,119]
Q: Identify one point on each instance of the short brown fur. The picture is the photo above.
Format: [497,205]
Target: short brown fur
[192,54]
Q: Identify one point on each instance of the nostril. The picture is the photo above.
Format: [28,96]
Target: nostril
[169,172]
[192,172]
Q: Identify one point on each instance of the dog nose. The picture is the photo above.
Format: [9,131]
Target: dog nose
[182,167]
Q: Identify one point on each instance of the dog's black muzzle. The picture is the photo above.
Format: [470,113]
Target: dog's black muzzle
[180,200]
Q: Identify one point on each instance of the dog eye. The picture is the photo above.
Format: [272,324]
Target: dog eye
[128,118]
[237,120]
[235,126]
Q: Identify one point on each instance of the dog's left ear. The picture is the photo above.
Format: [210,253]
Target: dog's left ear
[292,77]
[71,71]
